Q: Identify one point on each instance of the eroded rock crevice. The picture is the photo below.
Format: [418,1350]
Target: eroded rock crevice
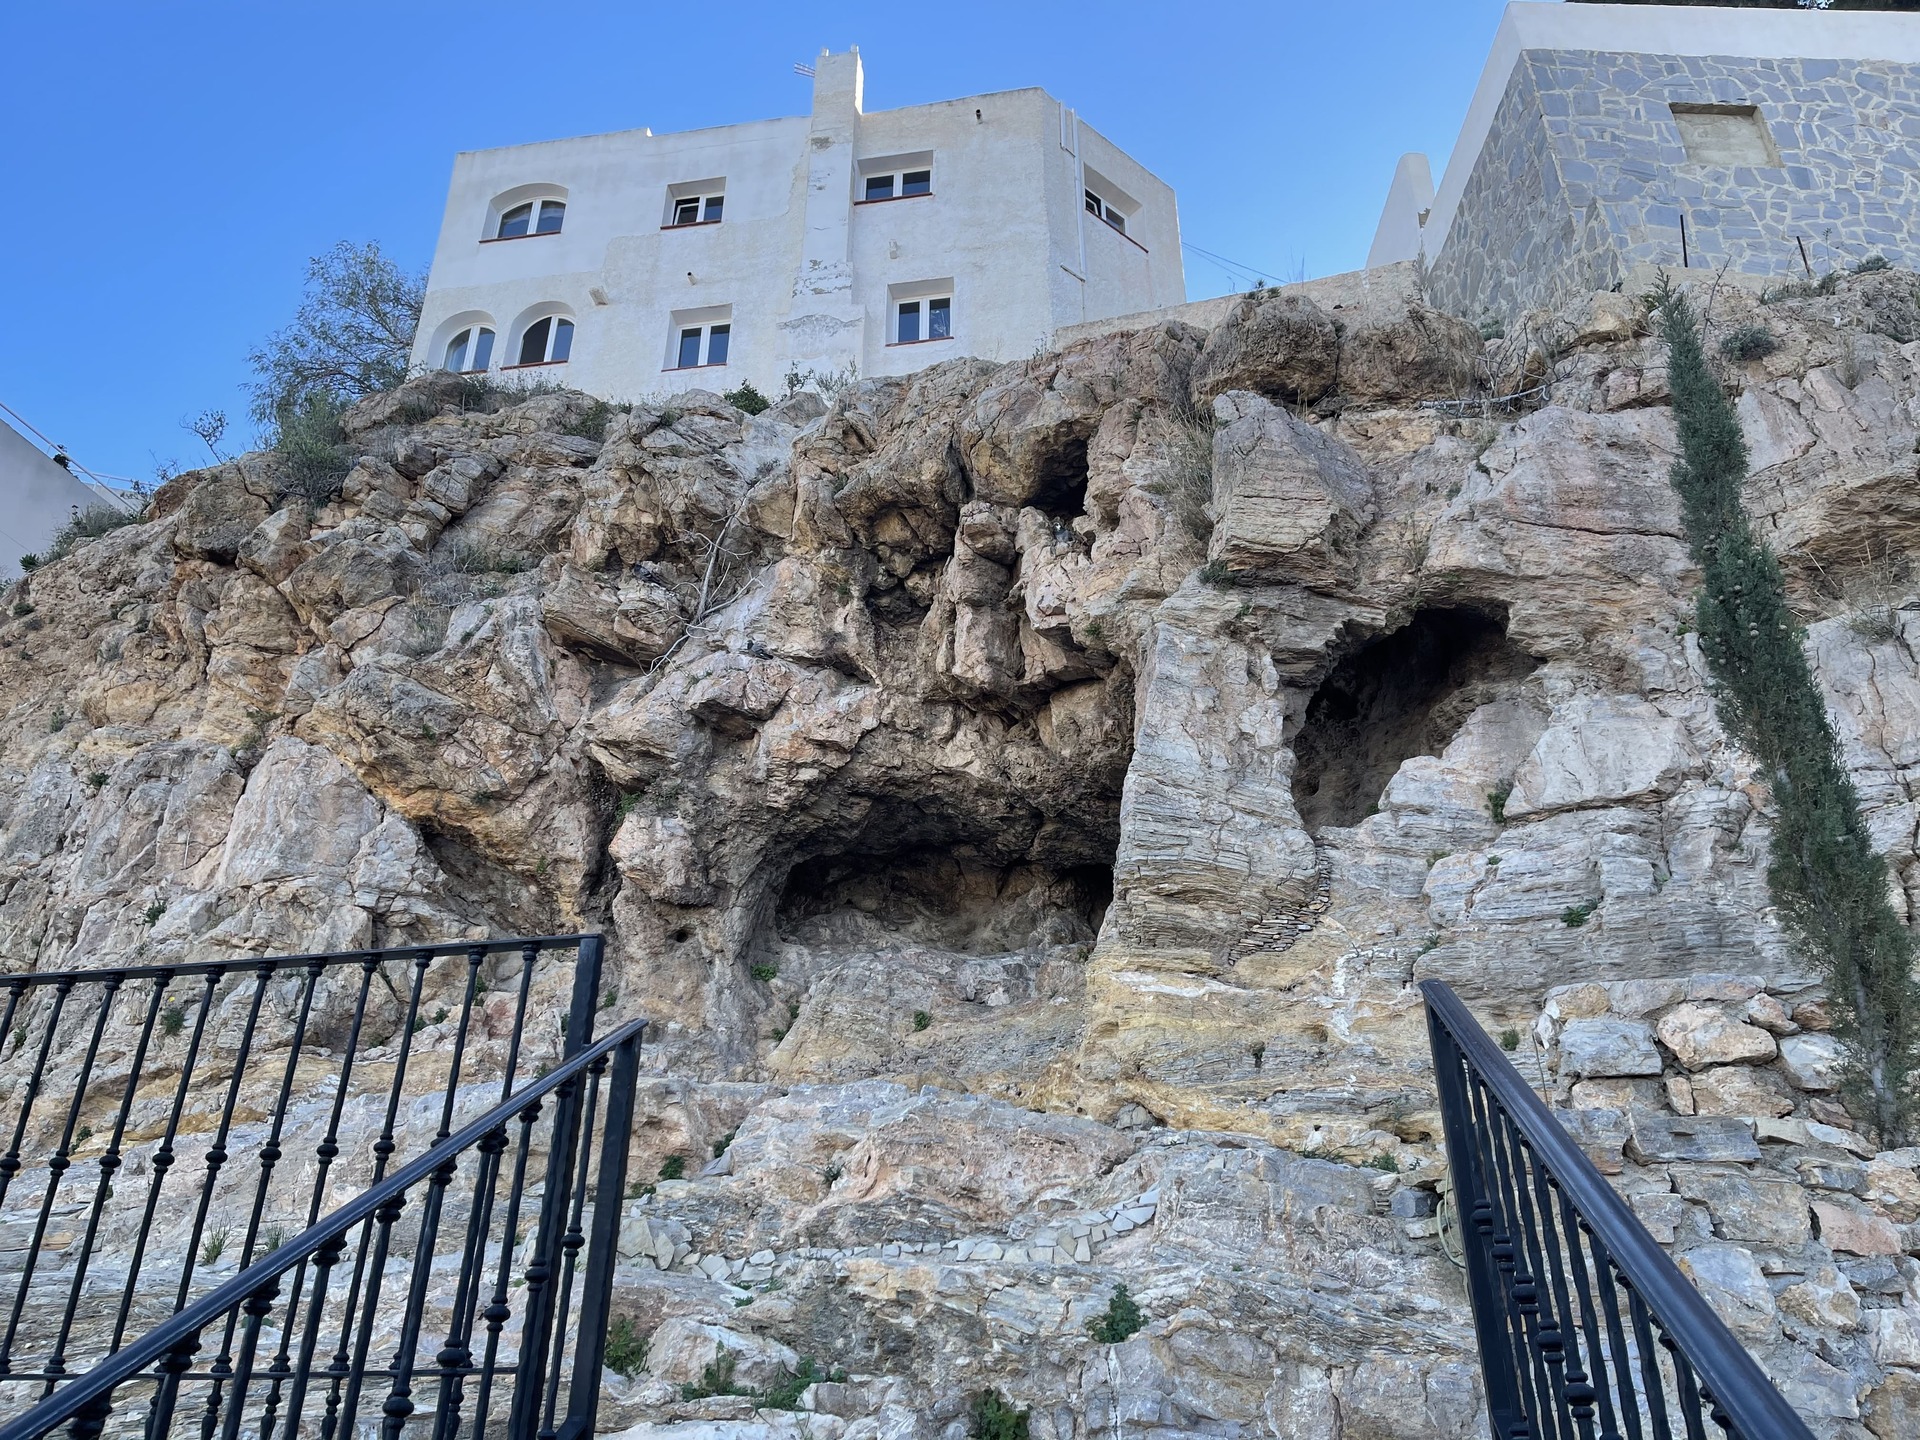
[1401,694]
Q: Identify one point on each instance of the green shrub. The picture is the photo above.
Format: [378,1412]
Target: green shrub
[763,973]
[1749,342]
[1497,801]
[1215,572]
[172,1019]
[29,563]
[1121,1319]
[85,525]
[922,1019]
[1509,1039]
[673,1167]
[1825,877]
[785,1393]
[992,1418]
[590,424]
[1871,264]
[312,448]
[1574,916]
[1385,1162]
[626,1353]
[746,398]
[720,1145]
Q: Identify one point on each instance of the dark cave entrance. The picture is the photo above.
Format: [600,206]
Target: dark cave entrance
[1399,695]
[947,898]
[1060,479]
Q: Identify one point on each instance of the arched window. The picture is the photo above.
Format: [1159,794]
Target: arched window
[469,351]
[535,217]
[547,342]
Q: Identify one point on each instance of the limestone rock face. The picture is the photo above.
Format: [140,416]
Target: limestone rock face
[1278,345]
[1023,799]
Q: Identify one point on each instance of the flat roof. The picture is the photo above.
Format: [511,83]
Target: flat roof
[1733,32]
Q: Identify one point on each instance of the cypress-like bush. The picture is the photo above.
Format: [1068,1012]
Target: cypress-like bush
[1830,886]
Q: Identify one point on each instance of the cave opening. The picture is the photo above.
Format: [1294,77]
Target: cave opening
[1401,694]
[1060,480]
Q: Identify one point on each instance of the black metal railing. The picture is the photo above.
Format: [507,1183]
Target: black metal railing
[1586,1327]
[464,1321]
[166,1125]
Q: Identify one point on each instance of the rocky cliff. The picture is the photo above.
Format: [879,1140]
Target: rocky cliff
[1023,798]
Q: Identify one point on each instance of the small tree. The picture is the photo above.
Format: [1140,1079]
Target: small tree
[352,336]
[1829,884]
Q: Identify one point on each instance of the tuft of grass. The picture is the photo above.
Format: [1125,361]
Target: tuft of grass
[273,1240]
[1749,342]
[1122,1318]
[674,1167]
[173,1019]
[720,1145]
[592,423]
[785,1393]
[1497,801]
[1385,1163]
[1216,573]
[921,1019]
[715,1379]
[215,1246]
[1871,264]
[1509,1039]
[626,1353]
[1574,916]
[465,557]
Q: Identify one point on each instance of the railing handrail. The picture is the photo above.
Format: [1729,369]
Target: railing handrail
[1738,1385]
[240,964]
[127,1363]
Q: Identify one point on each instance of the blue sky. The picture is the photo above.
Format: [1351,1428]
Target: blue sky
[172,165]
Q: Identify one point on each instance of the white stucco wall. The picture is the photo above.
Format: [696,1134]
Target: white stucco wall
[807,273]
[37,497]
[1409,199]
[1651,30]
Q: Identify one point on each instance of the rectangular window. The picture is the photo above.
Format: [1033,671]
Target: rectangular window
[920,312]
[1093,204]
[552,215]
[894,177]
[700,338]
[696,202]
[689,348]
[717,339]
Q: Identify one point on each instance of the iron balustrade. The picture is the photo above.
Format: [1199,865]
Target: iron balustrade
[308,1337]
[1586,1327]
[159,1119]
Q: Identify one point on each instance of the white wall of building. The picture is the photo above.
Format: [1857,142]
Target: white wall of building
[804,271]
[37,497]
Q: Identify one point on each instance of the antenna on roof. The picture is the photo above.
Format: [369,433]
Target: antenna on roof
[801,69]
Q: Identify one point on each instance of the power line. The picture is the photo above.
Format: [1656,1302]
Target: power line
[1234,268]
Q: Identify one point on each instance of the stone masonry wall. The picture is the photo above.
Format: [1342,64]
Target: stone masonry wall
[1584,176]
[1710,1101]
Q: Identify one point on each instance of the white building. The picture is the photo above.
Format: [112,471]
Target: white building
[37,497]
[633,264]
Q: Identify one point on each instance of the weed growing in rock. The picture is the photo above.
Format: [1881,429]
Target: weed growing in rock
[628,800]
[673,1167]
[720,1145]
[173,1019]
[214,1246]
[1871,264]
[57,721]
[1259,1053]
[1428,945]
[1497,801]
[785,1393]
[922,1019]
[273,1240]
[1749,342]
[97,780]
[1385,1163]
[312,448]
[22,607]
[715,1379]
[1574,916]
[1830,885]
[626,1353]
[1509,1039]
[87,524]
[85,1134]
[1121,1319]
[1215,572]
[746,399]
[831,1173]
[155,911]
[992,1418]
[19,1038]
[763,973]
[590,424]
